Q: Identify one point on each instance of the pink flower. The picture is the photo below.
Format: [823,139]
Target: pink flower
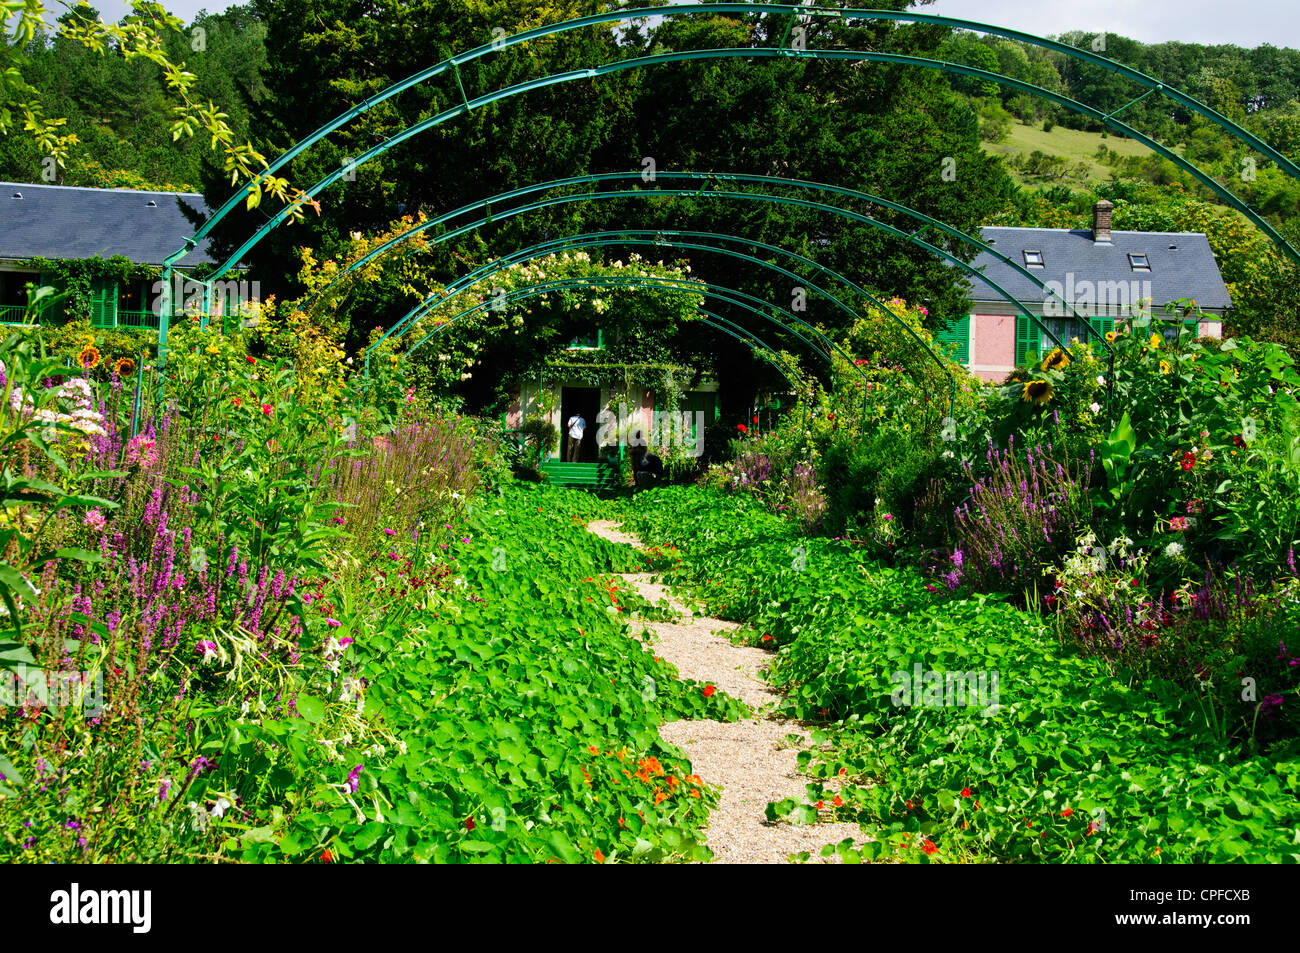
[142,450]
[268,409]
[333,623]
[95,520]
[390,532]
[1178,522]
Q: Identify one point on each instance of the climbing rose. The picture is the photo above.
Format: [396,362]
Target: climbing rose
[742,428]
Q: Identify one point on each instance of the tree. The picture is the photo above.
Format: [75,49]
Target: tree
[146,36]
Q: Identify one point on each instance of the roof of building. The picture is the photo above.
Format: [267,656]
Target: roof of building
[1181,264]
[62,221]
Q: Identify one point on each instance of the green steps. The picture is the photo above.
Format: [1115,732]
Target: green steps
[582,476]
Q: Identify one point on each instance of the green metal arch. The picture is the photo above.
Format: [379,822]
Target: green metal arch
[722,293]
[756,52]
[452,64]
[597,239]
[751,340]
[708,177]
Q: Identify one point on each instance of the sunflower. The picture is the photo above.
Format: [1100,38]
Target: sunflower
[1155,341]
[89,356]
[1165,367]
[1110,337]
[1056,361]
[1038,392]
[123,367]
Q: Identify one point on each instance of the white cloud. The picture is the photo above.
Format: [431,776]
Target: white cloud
[1151,21]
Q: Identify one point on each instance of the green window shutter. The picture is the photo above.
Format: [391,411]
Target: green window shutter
[958,332]
[1100,326]
[103,304]
[1027,340]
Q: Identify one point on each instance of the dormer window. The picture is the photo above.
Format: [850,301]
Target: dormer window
[1139,262]
[1034,258]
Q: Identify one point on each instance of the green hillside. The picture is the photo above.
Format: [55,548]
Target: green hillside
[1076,147]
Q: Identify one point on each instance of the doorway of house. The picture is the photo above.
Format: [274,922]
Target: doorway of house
[584,401]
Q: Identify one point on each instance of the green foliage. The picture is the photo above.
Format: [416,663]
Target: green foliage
[1059,761]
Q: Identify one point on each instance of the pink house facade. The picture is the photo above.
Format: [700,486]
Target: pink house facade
[1103,276]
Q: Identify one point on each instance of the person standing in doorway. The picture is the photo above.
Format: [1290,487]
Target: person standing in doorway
[577,427]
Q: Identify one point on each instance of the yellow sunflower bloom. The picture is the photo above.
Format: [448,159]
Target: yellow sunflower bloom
[1038,392]
[1110,336]
[1155,341]
[1058,360]
[123,367]
[89,356]
[1165,368]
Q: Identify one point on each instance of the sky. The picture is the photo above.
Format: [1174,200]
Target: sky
[1151,21]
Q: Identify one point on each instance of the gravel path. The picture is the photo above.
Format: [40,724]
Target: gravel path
[753,761]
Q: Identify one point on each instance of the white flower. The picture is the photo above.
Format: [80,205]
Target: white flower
[1174,550]
[1095,407]
[220,807]
[1101,380]
[351,690]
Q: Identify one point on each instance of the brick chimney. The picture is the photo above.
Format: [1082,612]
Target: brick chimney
[1101,220]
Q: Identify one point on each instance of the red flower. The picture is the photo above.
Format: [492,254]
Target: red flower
[965,792]
[1189,460]
[267,409]
[469,823]
[928,846]
[250,359]
[838,802]
[598,856]
[327,856]
[708,691]
[1067,812]
[239,401]
[755,419]
[742,428]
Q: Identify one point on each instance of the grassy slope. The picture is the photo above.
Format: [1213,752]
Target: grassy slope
[1075,145]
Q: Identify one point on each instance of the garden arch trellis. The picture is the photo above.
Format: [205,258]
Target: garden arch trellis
[661,238]
[451,65]
[710,318]
[793,11]
[709,178]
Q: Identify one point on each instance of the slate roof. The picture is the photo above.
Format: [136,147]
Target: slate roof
[1182,265]
[60,221]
